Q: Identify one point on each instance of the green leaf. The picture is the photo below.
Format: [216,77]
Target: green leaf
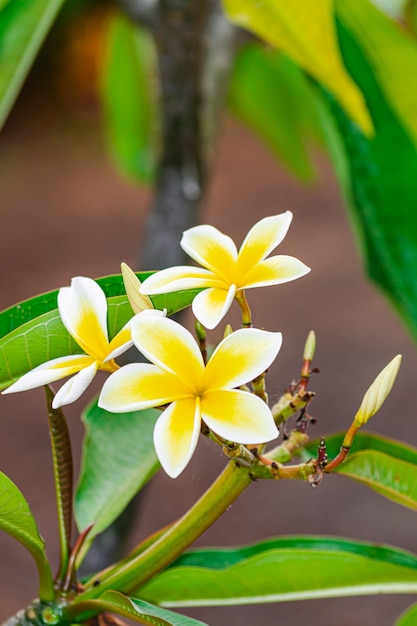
[32,333]
[392,478]
[306,32]
[273,97]
[408,618]
[365,441]
[16,519]
[378,178]
[277,570]
[24,25]
[392,53]
[129,97]
[389,467]
[118,459]
[137,610]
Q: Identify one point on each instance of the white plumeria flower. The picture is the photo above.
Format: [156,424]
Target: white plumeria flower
[83,310]
[177,376]
[226,271]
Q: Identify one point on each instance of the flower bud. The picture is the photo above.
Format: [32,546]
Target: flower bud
[378,392]
[138,301]
[310,346]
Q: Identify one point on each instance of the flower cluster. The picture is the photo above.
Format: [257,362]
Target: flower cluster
[191,392]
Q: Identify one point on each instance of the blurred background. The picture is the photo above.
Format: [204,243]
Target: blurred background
[67,212]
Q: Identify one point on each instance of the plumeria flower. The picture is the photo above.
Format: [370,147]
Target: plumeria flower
[138,301]
[226,271]
[83,311]
[178,377]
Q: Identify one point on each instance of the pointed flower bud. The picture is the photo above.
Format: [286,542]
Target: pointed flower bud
[138,301]
[378,392]
[310,346]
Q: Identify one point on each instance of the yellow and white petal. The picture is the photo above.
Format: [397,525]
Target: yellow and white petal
[138,386]
[262,238]
[238,416]
[178,278]
[138,301]
[241,357]
[123,340]
[212,249]
[274,271]
[50,371]
[176,435]
[170,346]
[211,305]
[75,386]
[83,310]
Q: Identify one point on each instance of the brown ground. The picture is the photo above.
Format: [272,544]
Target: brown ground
[66,212]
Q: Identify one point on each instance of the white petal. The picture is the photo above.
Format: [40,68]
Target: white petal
[138,386]
[211,305]
[274,271]
[49,372]
[75,386]
[170,346]
[238,416]
[176,435]
[178,278]
[241,357]
[263,237]
[123,340]
[83,310]
[212,249]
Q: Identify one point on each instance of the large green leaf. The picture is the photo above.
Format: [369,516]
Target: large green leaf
[118,459]
[365,441]
[137,610]
[129,97]
[272,96]
[277,570]
[306,32]
[24,25]
[32,333]
[378,177]
[392,52]
[16,519]
[408,618]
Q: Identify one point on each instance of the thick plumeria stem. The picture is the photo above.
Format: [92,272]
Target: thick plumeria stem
[240,298]
[129,577]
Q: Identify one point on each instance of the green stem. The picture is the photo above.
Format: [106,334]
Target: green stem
[240,298]
[132,575]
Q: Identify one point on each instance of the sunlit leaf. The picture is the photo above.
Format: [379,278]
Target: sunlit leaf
[137,610]
[118,459]
[273,97]
[306,32]
[24,25]
[32,333]
[129,95]
[378,178]
[16,519]
[391,51]
[277,570]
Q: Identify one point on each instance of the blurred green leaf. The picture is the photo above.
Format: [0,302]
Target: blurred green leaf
[408,618]
[391,52]
[118,460]
[378,178]
[273,97]
[24,25]
[137,610]
[32,333]
[306,32]
[129,96]
[366,441]
[277,570]
[392,478]
[16,519]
